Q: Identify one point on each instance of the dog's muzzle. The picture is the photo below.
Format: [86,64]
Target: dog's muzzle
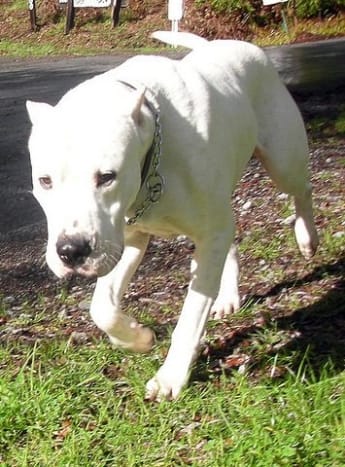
[83,255]
[73,250]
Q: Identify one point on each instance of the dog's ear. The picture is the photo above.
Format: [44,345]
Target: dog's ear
[136,112]
[38,111]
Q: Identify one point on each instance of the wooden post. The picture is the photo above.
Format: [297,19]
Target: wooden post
[71,6]
[32,12]
[70,14]
[115,13]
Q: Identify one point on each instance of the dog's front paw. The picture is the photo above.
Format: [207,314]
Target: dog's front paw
[224,306]
[164,386]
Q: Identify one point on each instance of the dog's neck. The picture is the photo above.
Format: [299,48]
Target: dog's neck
[152,183]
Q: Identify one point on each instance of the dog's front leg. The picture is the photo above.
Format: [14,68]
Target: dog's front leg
[123,330]
[185,341]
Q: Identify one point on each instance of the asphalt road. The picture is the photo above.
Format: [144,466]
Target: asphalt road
[305,68]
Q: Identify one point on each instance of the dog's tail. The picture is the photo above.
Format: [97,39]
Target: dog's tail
[184,39]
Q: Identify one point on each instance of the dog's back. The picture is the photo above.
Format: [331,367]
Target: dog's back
[246,69]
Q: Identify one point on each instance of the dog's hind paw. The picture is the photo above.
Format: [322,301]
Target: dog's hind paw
[143,342]
[306,236]
[307,244]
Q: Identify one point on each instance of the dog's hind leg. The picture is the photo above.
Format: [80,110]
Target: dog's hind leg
[228,299]
[123,330]
[291,176]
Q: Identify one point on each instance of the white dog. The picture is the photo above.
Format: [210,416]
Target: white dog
[156,146]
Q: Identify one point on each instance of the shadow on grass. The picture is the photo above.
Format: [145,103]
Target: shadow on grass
[321,327]
[314,334]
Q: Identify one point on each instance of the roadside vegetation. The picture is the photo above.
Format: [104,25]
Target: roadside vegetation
[295,21]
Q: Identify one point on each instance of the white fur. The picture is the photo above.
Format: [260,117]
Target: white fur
[219,105]
[184,39]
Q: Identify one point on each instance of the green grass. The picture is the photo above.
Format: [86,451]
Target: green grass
[24,48]
[328,125]
[83,406]
[278,36]
[340,123]
[17,5]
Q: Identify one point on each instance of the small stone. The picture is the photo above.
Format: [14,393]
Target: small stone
[63,313]
[9,300]
[84,305]
[247,206]
[289,220]
[78,338]
[283,196]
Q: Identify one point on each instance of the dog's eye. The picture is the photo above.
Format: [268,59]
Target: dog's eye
[46,182]
[105,178]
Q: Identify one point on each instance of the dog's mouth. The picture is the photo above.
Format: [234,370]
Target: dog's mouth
[91,269]
[83,271]
[77,258]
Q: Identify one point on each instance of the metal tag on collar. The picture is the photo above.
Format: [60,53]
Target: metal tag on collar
[152,183]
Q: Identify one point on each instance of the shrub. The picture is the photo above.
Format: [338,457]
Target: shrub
[256,12]
[230,6]
[310,8]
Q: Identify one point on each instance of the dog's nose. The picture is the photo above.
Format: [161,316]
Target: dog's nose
[73,251]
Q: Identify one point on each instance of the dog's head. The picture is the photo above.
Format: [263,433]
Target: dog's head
[86,156]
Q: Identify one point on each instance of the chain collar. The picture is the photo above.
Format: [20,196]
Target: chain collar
[152,183]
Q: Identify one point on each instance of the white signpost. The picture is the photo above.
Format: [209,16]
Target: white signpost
[272,2]
[175,13]
[89,3]
[72,4]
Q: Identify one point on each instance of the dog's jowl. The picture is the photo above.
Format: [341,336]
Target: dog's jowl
[156,146]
